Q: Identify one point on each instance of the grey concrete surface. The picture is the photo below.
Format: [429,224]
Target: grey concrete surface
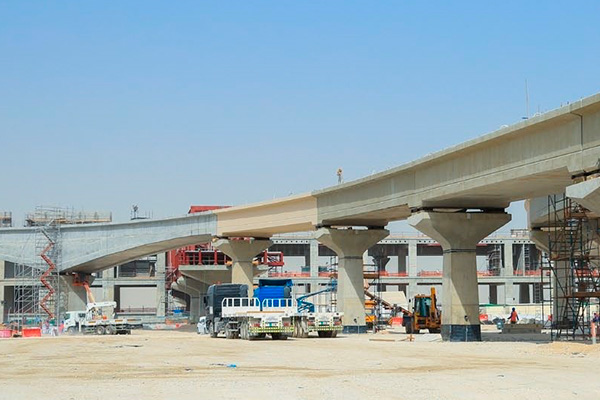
[350,246]
[459,233]
[242,253]
[586,193]
[94,247]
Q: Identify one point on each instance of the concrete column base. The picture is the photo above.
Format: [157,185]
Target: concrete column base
[461,333]
[353,329]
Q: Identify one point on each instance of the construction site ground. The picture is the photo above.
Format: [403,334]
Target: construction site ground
[184,365]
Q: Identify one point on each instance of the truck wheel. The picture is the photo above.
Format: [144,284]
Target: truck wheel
[99,330]
[110,330]
[71,330]
[304,329]
[230,334]
[334,334]
[244,331]
[275,336]
[322,334]
[210,328]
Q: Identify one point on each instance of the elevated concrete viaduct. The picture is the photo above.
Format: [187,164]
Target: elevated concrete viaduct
[95,247]
[462,191]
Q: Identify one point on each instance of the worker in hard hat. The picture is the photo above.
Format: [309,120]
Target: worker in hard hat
[513,316]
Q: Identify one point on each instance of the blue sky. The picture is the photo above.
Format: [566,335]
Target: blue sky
[104,105]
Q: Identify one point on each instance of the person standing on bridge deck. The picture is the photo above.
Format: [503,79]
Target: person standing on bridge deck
[513,316]
[340,175]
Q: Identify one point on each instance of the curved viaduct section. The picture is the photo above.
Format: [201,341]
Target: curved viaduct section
[94,247]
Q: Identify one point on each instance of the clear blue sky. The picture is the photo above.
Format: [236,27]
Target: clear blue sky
[166,104]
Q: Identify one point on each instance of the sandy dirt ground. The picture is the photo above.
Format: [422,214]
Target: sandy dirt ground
[184,365]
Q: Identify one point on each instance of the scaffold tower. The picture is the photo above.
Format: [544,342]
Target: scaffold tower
[571,274]
[37,295]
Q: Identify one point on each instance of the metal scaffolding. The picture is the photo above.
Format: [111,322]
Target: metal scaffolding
[36,293]
[571,274]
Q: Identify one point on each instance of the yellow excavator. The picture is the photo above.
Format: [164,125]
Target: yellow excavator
[424,315]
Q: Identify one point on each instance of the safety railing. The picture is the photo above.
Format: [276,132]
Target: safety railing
[284,305]
[236,305]
[289,274]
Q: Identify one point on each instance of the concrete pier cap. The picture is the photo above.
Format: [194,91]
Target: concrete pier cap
[242,251]
[586,193]
[458,233]
[350,244]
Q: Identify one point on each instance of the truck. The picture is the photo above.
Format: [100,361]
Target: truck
[99,319]
[305,317]
[230,311]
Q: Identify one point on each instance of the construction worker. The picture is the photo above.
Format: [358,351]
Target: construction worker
[340,175]
[513,316]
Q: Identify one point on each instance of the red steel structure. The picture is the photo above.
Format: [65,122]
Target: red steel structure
[45,275]
[205,254]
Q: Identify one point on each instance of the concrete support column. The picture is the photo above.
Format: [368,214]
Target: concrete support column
[75,294]
[412,269]
[196,290]
[242,252]
[161,291]
[402,261]
[108,288]
[350,246]
[509,293]
[508,269]
[413,264]
[458,234]
[314,258]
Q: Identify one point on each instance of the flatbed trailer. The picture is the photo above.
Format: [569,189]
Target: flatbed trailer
[247,318]
[231,312]
[117,326]
[92,321]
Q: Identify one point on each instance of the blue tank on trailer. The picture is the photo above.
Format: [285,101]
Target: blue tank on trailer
[273,289]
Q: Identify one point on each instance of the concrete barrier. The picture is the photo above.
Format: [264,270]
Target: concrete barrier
[522,328]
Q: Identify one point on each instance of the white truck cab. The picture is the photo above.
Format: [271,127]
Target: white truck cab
[99,318]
